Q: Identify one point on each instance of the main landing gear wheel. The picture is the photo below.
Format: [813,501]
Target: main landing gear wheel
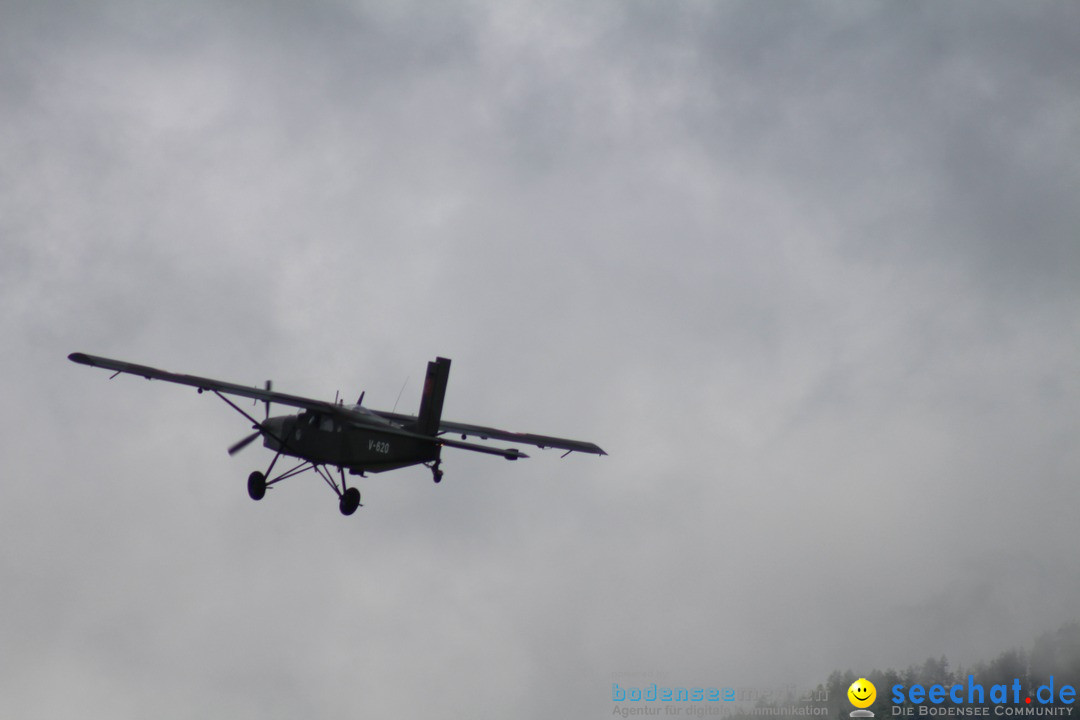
[436,471]
[256,485]
[350,500]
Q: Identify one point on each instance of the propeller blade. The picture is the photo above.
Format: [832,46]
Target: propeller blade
[244,443]
[269,387]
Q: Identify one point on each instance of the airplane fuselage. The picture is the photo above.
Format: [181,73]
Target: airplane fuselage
[325,440]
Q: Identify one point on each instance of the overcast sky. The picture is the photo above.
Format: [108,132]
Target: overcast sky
[809,272]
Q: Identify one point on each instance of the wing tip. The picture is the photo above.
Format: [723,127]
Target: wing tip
[81,358]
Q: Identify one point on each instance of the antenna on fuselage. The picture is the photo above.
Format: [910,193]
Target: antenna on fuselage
[399,393]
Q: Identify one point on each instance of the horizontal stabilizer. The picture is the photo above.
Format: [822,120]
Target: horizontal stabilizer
[508,453]
[482,432]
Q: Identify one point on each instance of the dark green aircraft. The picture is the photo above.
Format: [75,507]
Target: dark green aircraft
[354,438]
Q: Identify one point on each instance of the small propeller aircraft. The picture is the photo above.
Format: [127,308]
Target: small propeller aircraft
[354,438]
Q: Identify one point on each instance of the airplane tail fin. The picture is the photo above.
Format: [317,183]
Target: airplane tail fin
[431,402]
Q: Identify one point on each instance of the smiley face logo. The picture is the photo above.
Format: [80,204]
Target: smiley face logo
[862,693]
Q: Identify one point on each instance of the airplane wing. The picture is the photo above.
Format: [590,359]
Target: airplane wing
[489,433]
[204,384]
[346,413]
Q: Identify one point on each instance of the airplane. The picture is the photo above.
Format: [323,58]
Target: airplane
[349,437]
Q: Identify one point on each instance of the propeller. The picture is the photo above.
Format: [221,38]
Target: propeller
[237,447]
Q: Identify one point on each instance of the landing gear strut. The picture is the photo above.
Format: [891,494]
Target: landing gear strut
[348,497]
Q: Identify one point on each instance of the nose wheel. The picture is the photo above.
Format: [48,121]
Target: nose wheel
[256,485]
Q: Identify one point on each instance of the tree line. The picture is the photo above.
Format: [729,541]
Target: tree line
[1054,654]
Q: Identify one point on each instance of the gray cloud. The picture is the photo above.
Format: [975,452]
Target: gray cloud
[806,271]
